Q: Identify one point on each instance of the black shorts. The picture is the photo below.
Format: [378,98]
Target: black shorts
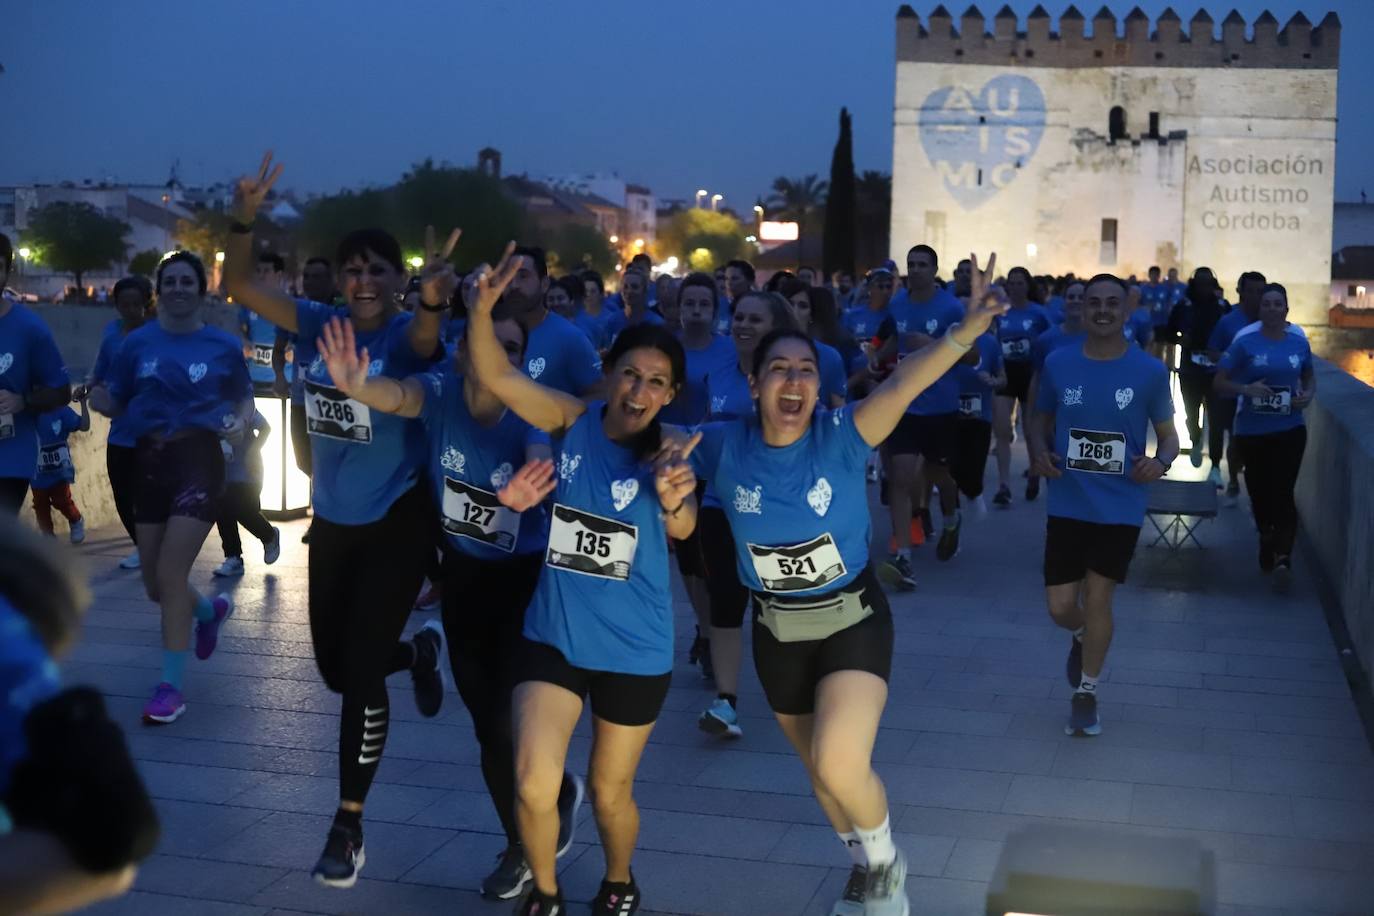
[621,699]
[729,596]
[973,436]
[790,671]
[1073,547]
[1018,381]
[179,477]
[300,440]
[933,437]
[688,549]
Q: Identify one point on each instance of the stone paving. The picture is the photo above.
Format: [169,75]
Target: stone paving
[1225,714]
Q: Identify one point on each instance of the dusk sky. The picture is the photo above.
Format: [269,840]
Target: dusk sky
[716,94]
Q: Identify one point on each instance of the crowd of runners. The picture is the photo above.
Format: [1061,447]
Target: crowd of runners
[544,452]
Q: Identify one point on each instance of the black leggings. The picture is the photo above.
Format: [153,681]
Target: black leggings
[484,613]
[363,580]
[121,465]
[1197,391]
[300,440]
[1272,463]
[241,505]
[13,490]
[973,437]
[729,598]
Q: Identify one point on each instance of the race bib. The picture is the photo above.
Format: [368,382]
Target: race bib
[331,414]
[1202,359]
[53,458]
[1096,452]
[591,545]
[1278,403]
[971,405]
[798,567]
[262,354]
[1018,349]
[6,426]
[472,512]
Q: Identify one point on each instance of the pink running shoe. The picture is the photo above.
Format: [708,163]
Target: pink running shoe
[166,705]
[207,631]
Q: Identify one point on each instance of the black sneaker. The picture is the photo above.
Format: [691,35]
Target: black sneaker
[616,899]
[570,797]
[538,904]
[1032,489]
[895,572]
[948,548]
[341,860]
[1083,720]
[1233,492]
[509,877]
[305,538]
[1003,498]
[1073,667]
[429,684]
[852,902]
[927,526]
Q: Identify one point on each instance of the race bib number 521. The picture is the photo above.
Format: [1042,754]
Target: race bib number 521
[590,544]
[798,567]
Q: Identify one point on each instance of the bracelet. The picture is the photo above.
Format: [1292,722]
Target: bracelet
[673,513]
[432,309]
[239,228]
[953,342]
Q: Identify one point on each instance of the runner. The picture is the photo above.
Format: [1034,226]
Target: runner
[1068,333]
[1249,290]
[133,300]
[1191,324]
[595,316]
[241,503]
[1093,410]
[1022,323]
[978,384]
[738,279]
[33,381]
[52,485]
[184,388]
[373,533]
[601,621]
[822,627]
[814,323]
[757,314]
[557,354]
[266,359]
[1271,373]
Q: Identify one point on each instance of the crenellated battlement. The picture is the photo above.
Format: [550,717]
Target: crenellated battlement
[1132,42]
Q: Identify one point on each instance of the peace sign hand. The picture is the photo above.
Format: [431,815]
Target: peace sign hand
[250,192]
[437,279]
[492,284]
[985,301]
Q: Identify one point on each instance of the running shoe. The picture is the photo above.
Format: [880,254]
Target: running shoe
[1073,667]
[1233,493]
[207,631]
[927,527]
[539,904]
[721,720]
[918,532]
[341,860]
[570,796]
[1195,453]
[429,600]
[1003,498]
[1214,477]
[165,706]
[271,551]
[616,898]
[429,683]
[948,548]
[885,890]
[232,566]
[511,875]
[895,572]
[851,903]
[1032,489]
[78,532]
[131,561]
[1283,573]
[1083,719]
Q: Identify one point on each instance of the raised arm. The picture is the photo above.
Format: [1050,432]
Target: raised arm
[268,301]
[543,408]
[348,368]
[877,415]
[437,283]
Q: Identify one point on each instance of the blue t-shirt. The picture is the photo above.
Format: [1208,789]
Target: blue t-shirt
[28,676]
[28,359]
[597,327]
[617,320]
[728,392]
[172,382]
[260,338]
[1139,327]
[1054,307]
[111,339]
[692,403]
[1157,298]
[364,461]
[932,317]
[54,458]
[1280,364]
[468,464]
[799,513]
[560,356]
[725,314]
[975,396]
[1050,341]
[603,598]
[1017,329]
[245,464]
[1103,410]
[1226,329]
[863,323]
[834,378]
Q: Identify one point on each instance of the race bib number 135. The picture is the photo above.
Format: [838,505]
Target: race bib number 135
[590,544]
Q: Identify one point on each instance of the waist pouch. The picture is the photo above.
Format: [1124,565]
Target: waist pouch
[813,618]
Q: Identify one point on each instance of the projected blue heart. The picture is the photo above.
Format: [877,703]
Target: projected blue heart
[978,143]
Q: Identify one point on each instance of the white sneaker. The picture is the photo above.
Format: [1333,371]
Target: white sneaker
[78,533]
[131,561]
[232,566]
[272,549]
[980,507]
[885,894]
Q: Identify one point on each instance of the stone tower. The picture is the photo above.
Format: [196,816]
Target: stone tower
[1113,146]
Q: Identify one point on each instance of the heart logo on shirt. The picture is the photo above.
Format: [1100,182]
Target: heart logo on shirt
[196,371]
[56,427]
[932,325]
[1295,360]
[501,476]
[819,496]
[536,367]
[6,360]
[623,492]
[1124,396]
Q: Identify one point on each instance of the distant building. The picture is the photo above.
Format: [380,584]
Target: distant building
[640,209]
[549,208]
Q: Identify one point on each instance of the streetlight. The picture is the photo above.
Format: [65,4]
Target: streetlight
[615,239]
[24,253]
[758,211]
[700,194]
[219,257]
[417,262]
[715,199]
[639,243]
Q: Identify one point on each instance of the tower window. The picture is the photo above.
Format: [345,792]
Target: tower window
[1107,254]
[1154,124]
[1116,123]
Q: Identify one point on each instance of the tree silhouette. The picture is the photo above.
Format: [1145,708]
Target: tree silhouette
[75,238]
[873,198]
[838,243]
[798,199]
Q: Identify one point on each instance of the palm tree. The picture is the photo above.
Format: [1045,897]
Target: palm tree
[798,199]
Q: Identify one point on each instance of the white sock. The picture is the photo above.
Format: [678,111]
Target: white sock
[855,846]
[1078,633]
[1087,685]
[877,843]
